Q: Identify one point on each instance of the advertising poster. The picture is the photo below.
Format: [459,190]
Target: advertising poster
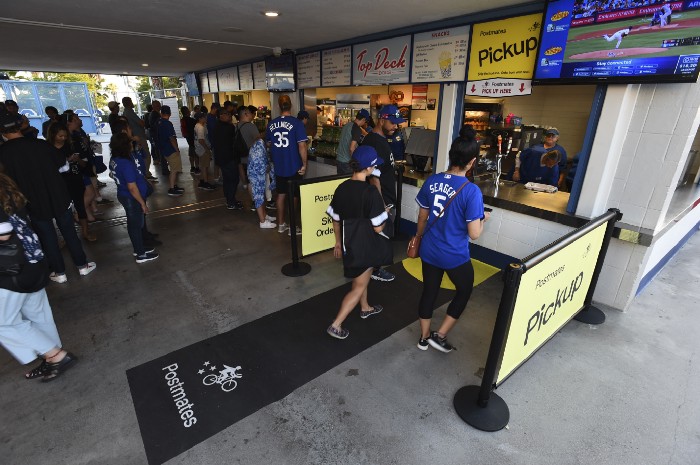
[503,55]
[337,65]
[550,294]
[318,226]
[309,70]
[440,56]
[259,75]
[245,77]
[204,82]
[382,62]
[191,82]
[213,82]
[228,79]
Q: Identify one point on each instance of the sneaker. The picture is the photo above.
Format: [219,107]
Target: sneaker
[192,170]
[150,250]
[282,228]
[372,311]
[340,333]
[87,269]
[382,275]
[101,184]
[423,343]
[58,278]
[206,186]
[197,171]
[289,232]
[270,218]
[271,205]
[147,257]
[104,201]
[253,208]
[440,343]
[174,192]
[178,188]
[230,207]
[236,206]
[268,225]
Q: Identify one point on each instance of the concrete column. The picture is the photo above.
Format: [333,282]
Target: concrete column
[450,94]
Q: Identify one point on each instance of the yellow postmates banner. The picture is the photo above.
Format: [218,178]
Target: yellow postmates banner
[549,295]
[505,48]
[318,226]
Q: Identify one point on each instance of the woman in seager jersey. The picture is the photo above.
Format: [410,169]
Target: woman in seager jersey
[446,230]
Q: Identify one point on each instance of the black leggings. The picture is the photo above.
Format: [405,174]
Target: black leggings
[463,279]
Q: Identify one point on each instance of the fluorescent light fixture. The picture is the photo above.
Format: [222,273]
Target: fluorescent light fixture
[271,14]
[144,64]
[182,49]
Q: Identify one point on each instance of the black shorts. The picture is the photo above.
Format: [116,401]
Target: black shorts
[283,184]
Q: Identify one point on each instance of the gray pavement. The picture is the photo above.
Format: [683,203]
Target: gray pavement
[620,393]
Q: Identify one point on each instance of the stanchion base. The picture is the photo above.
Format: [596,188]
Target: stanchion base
[295,271]
[493,417]
[591,316]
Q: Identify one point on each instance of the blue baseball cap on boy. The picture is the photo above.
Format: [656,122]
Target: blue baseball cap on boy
[362,114]
[366,156]
[391,112]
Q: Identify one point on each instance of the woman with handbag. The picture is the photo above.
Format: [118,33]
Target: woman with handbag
[27,328]
[355,199]
[451,212]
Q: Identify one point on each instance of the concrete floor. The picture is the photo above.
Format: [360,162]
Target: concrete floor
[620,393]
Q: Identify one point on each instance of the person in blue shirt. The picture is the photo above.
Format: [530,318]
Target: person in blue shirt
[287,138]
[539,167]
[446,230]
[550,142]
[169,150]
[131,193]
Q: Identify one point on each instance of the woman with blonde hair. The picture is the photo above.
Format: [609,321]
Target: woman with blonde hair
[27,328]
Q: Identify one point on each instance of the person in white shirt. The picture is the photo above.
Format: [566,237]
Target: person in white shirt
[619,35]
[665,14]
[203,150]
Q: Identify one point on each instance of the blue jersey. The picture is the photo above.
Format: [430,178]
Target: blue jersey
[284,134]
[445,244]
[124,171]
[165,131]
[542,150]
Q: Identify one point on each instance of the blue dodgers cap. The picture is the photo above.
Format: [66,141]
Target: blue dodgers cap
[366,156]
[362,114]
[552,131]
[391,112]
[303,114]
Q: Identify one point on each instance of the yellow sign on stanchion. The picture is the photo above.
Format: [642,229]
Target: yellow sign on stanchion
[549,295]
[315,198]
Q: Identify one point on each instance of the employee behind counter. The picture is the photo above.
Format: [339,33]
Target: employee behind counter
[550,142]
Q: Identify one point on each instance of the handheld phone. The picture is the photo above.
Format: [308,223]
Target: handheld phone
[389,207]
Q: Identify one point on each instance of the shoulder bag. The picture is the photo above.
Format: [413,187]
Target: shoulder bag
[413,249]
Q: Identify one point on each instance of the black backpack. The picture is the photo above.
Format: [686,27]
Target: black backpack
[240,148]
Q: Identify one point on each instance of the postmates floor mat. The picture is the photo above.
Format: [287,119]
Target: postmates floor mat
[189,395]
[482,272]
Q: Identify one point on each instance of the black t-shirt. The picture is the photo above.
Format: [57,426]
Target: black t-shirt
[33,164]
[153,118]
[388,179]
[112,119]
[189,126]
[357,199]
[222,143]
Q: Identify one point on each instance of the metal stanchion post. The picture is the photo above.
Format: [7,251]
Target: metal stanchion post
[296,268]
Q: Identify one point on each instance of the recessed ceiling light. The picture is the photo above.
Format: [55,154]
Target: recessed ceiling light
[271,14]
[144,64]
[182,49]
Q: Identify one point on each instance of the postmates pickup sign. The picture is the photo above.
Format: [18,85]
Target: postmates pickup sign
[318,226]
[503,55]
[550,294]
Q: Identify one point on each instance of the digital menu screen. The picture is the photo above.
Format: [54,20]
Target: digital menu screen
[279,73]
[632,41]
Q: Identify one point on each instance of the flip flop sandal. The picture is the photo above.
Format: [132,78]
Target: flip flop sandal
[54,370]
[40,370]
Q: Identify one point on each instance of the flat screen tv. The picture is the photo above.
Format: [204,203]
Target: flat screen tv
[619,41]
[279,73]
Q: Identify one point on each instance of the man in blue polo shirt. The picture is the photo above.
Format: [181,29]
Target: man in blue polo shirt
[550,142]
[287,138]
[168,149]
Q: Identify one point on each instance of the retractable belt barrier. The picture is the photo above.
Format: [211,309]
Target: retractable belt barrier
[541,294]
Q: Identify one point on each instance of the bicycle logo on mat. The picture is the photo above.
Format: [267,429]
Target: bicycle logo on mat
[226,378]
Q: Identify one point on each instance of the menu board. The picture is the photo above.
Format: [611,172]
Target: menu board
[213,82]
[204,82]
[309,70]
[259,75]
[337,64]
[245,76]
[228,79]
[440,56]
[382,62]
